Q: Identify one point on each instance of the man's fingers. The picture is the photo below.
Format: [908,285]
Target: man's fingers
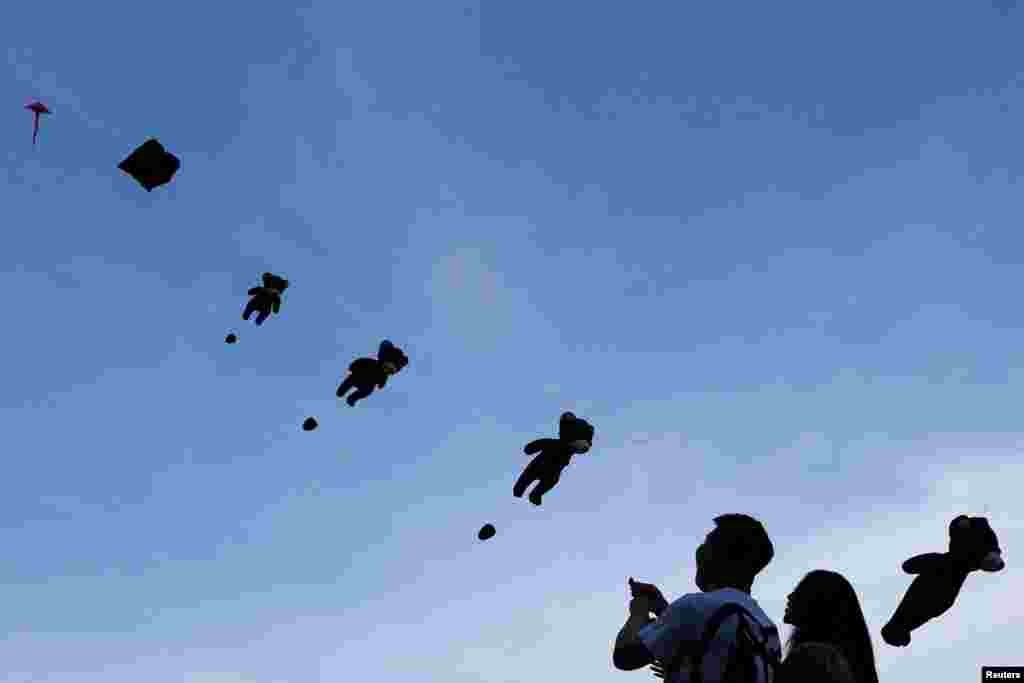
[644,588]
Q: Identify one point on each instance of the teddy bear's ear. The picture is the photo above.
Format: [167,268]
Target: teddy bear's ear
[959,523]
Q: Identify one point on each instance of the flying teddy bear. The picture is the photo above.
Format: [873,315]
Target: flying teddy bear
[365,374]
[265,298]
[972,546]
[575,436]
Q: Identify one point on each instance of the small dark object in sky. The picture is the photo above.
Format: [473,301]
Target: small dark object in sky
[309,425]
[151,165]
[36,108]
[575,436]
[486,531]
[231,339]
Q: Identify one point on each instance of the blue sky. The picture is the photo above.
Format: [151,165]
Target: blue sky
[771,252]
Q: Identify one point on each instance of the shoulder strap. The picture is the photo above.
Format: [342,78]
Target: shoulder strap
[759,647]
[711,629]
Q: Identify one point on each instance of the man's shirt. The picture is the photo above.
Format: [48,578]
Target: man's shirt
[683,622]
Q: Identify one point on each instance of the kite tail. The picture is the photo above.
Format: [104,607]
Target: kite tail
[35,130]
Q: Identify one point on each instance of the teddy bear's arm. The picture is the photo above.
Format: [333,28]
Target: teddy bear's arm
[537,445]
[926,563]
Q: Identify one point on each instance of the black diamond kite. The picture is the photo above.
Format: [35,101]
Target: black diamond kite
[151,165]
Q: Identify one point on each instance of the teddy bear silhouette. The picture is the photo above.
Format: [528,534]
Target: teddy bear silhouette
[265,298]
[575,436]
[972,546]
[365,374]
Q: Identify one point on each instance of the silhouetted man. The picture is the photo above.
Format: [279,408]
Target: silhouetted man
[732,555]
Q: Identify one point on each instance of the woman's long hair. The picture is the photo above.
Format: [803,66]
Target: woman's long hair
[817,663]
[831,613]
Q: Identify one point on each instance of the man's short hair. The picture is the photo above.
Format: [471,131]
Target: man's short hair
[745,539]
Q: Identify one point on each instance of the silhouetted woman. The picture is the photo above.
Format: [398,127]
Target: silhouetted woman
[823,608]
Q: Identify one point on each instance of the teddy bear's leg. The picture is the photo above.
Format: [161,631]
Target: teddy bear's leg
[546,483]
[895,636]
[529,475]
[345,386]
[250,308]
[928,597]
[262,315]
[359,394]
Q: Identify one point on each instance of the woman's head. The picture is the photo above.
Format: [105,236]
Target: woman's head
[823,601]
[824,608]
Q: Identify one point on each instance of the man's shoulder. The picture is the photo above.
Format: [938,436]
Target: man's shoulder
[698,606]
[689,600]
[709,602]
[754,608]
[715,598]
[688,608]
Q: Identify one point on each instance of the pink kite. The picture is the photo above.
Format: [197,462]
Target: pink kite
[37,108]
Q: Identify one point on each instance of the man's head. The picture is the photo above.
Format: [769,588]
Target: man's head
[733,553]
